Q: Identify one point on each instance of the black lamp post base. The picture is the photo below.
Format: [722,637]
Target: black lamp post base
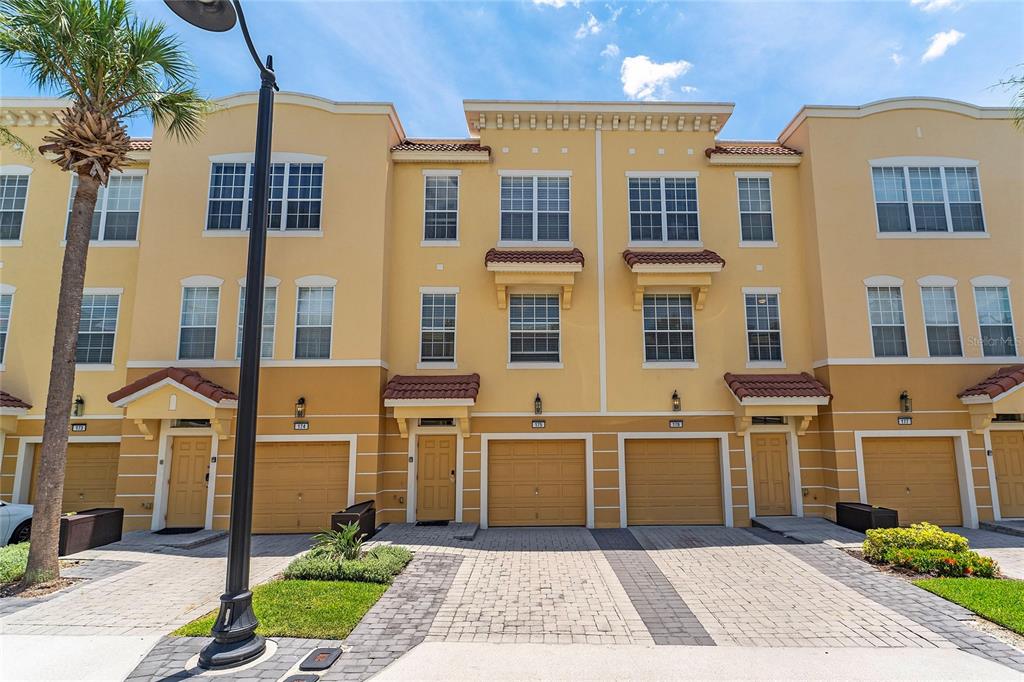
[219,655]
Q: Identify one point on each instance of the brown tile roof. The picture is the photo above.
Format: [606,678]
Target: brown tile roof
[440,146]
[1002,381]
[8,400]
[189,378]
[526,256]
[140,144]
[671,257]
[801,385]
[759,148]
[442,387]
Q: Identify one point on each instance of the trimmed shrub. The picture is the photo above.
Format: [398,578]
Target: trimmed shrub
[918,536]
[941,563]
[13,559]
[378,565]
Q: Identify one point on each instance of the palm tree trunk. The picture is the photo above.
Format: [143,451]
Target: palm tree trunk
[42,556]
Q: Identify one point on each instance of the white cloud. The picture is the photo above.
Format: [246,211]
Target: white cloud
[931,5]
[940,43]
[688,89]
[615,13]
[557,4]
[897,58]
[644,79]
[590,27]
[610,50]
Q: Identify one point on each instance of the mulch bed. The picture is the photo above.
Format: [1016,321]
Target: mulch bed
[15,589]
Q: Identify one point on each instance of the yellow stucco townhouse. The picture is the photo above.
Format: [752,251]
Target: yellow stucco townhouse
[583,313]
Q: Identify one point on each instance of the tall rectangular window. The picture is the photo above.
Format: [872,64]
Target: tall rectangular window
[888,326]
[663,209]
[441,208]
[764,329]
[6,301]
[668,328]
[437,328]
[269,319]
[534,328]
[314,318]
[116,217]
[198,336]
[755,194]
[13,192]
[927,199]
[995,321]
[97,329]
[296,194]
[941,321]
[534,208]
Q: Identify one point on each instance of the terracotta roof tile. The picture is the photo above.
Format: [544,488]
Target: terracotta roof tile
[189,378]
[140,144]
[526,256]
[671,257]
[758,148]
[1002,381]
[441,387]
[8,400]
[801,385]
[440,146]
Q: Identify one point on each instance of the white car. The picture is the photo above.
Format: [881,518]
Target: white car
[15,523]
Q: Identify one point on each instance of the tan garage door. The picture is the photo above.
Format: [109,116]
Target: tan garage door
[915,476]
[298,486]
[90,475]
[671,481]
[536,483]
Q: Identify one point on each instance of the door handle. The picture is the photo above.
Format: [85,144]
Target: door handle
[451,475]
[536,491]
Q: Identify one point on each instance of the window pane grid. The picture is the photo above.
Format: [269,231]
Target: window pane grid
[269,316]
[755,197]
[764,332]
[534,208]
[668,328]
[441,207]
[96,329]
[313,320]
[198,323]
[13,192]
[927,199]
[116,217]
[888,326]
[663,209]
[6,301]
[294,199]
[942,323]
[437,328]
[995,321]
[534,328]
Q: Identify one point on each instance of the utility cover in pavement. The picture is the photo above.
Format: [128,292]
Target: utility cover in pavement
[320,659]
[302,678]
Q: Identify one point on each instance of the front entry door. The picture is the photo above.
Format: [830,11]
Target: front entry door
[190,465]
[435,478]
[1008,453]
[771,474]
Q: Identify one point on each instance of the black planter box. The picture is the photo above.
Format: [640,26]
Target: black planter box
[89,528]
[363,513]
[862,517]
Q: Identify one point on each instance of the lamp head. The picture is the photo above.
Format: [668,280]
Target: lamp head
[209,15]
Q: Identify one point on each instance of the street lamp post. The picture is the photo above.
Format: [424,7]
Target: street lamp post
[235,640]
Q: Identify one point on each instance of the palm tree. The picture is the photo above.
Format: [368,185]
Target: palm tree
[111,66]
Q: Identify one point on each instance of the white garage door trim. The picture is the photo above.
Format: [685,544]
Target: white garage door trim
[23,464]
[962,451]
[588,445]
[723,450]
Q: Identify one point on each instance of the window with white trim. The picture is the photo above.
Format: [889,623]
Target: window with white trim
[296,193]
[941,321]
[663,209]
[927,199]
[437,327]
[888,325]
[995,321]
[116,217]
[534,208]
[97,329]
[197,338]
[764,328]
[534,328]
[13,193]
[269,319]
[314,319]
[441,208]
[6,303]
[668,328]
[755,196]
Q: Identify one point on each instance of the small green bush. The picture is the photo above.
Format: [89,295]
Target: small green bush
[942,563]
[13,559]
[918,536]
[378,565]
[346,543]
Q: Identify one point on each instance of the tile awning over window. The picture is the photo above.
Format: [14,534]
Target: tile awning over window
[760,387]
[751,148]
[692,269]
[566,256]
[554,268]
[12,402]
[991,387]
[188,378]
[438,387]
[440,150]
[1002,391]
[705,257]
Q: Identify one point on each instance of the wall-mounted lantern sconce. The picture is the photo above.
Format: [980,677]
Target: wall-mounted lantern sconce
[78,407]
[677,404]
[906,403]
[300,408]
[538,405]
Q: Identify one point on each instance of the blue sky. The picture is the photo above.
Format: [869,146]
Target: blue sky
[769,58]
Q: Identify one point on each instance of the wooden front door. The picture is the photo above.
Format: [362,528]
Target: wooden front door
[1008,456]
[435,478]
[186,492]
[771,474]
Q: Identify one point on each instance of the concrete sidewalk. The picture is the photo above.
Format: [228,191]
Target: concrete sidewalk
[70,657]
[482,661]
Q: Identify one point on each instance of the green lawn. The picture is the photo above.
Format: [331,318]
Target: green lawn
[314,609]
[1001,601]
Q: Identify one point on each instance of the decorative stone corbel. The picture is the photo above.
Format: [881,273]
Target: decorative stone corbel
[805,422]
[502,292]
[463,421]
[743,423]
[981,417]
[144,429]
[220,427]
[700,295]
[403,427]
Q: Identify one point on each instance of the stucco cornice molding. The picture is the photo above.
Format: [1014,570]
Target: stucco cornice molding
[315,102]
